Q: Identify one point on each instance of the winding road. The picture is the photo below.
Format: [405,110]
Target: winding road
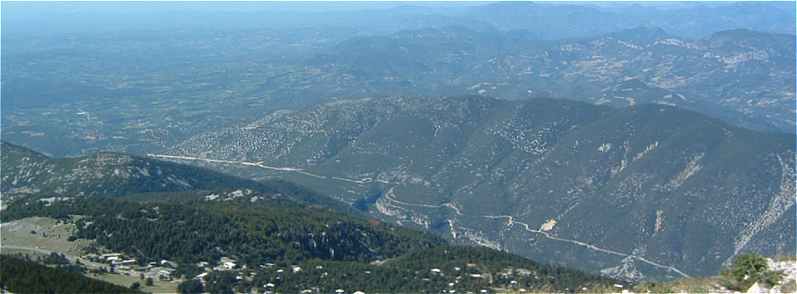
[390,197]
[260,164]
[511,221]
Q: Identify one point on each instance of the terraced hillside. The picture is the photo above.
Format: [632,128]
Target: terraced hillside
[648,191]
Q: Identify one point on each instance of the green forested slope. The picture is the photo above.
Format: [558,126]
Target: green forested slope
[334,250]
[19,275]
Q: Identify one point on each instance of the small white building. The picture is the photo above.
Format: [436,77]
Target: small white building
[228,265]
[168,263]
[107,255]
[128,261]
[165,274]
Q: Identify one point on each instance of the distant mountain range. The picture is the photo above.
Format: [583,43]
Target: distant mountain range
[692,20]
[549,20]
[139,85]
[741,76]
[646,191]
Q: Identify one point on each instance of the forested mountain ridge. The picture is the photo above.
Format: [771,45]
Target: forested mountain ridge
[27,172]
[528,176]
[190,227]
[102,173]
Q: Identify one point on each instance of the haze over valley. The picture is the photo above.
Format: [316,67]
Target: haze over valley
[398,146]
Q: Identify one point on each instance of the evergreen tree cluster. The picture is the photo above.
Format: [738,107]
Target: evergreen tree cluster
[271,232]
[748,269]
[270,239]
[22,275]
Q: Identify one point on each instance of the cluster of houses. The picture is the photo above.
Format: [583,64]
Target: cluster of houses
[470,271]
[118,262]
[229,264]
[458,270]
[506,277]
